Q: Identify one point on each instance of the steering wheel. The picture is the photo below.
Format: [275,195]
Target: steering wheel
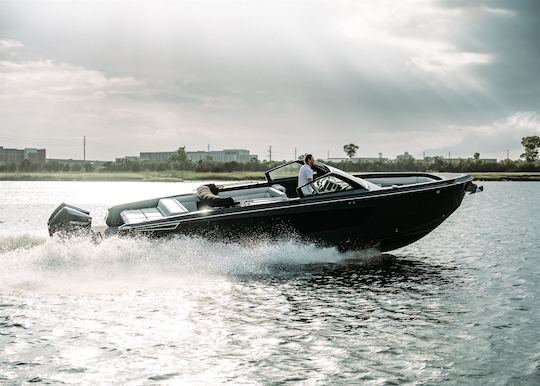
[313,192]
[325,186]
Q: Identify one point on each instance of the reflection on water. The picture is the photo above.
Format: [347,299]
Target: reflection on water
[360,271]
[458,307]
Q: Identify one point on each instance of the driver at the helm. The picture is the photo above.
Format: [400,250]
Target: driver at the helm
[305,174]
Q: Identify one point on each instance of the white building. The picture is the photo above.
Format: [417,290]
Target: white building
[357,159]
[226,155]
[405,155]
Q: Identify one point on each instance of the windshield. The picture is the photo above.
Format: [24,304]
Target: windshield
[325,184]
[284,171]
[290,170]
[360,181]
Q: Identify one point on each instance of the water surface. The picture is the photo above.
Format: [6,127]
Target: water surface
[461,306]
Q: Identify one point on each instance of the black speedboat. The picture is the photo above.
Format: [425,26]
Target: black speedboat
[381,210]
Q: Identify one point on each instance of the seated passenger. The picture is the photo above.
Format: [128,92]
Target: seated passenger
[207,194]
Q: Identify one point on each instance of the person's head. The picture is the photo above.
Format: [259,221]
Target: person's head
[308,159]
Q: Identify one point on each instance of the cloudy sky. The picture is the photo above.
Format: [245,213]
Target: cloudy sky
[391,76]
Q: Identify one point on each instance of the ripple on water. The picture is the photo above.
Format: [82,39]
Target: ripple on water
[458,307]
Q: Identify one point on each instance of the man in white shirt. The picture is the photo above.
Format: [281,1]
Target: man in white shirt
[305,175]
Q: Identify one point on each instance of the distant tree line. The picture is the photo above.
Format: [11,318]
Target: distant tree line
[435,164]
[51,166]
[200,166]
[180,162]
[531,144]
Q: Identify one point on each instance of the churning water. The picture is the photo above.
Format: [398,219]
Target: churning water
[461,306]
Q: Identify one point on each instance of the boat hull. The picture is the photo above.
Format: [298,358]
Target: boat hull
[385,220]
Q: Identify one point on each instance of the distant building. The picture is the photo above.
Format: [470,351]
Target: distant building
[157,156]
[37,156]
[357,159]
[8,156]
[457,160]
[68,161]
[17,156]
[196,156]
[488,160]
[127,158]
[404,156]
[227,155]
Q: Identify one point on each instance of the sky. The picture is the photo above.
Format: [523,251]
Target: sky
[423,76]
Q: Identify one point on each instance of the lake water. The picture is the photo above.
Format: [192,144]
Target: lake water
[461,306]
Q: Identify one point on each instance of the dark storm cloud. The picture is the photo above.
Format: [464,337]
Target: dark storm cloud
[392,76]
[509,31]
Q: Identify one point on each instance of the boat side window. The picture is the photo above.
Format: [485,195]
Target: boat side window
[324,185]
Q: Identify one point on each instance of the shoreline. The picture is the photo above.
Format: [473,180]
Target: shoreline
[181,176]
[506,176]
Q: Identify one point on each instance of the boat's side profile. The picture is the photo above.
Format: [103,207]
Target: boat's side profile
[382,210]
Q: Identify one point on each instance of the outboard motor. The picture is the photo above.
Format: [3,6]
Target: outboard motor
[69,219]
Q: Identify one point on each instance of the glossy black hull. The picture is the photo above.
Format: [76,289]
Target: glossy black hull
[386,220]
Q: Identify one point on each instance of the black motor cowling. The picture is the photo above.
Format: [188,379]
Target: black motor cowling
[69,219]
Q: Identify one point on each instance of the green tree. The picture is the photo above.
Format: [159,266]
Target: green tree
[109,166]
[350,149]
[88,167]
[476,156]
[530,146]
[25,166]
[179,160]
[135,167]
[438,163]
[53,166]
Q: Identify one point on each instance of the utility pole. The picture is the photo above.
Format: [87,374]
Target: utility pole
[327,155]
[84,148]
[208,148]
[270,153]
[507,154]
[424,154]
[448,155]
[295,156]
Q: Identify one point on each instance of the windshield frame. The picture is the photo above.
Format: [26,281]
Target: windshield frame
[320,169]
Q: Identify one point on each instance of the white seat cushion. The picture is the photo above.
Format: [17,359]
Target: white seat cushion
[189,202]
[251,196]
[152,213]
[171,207]
[263,192]
[134,216]
[262,200]
[191,206]
[166,207]
[279,188]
